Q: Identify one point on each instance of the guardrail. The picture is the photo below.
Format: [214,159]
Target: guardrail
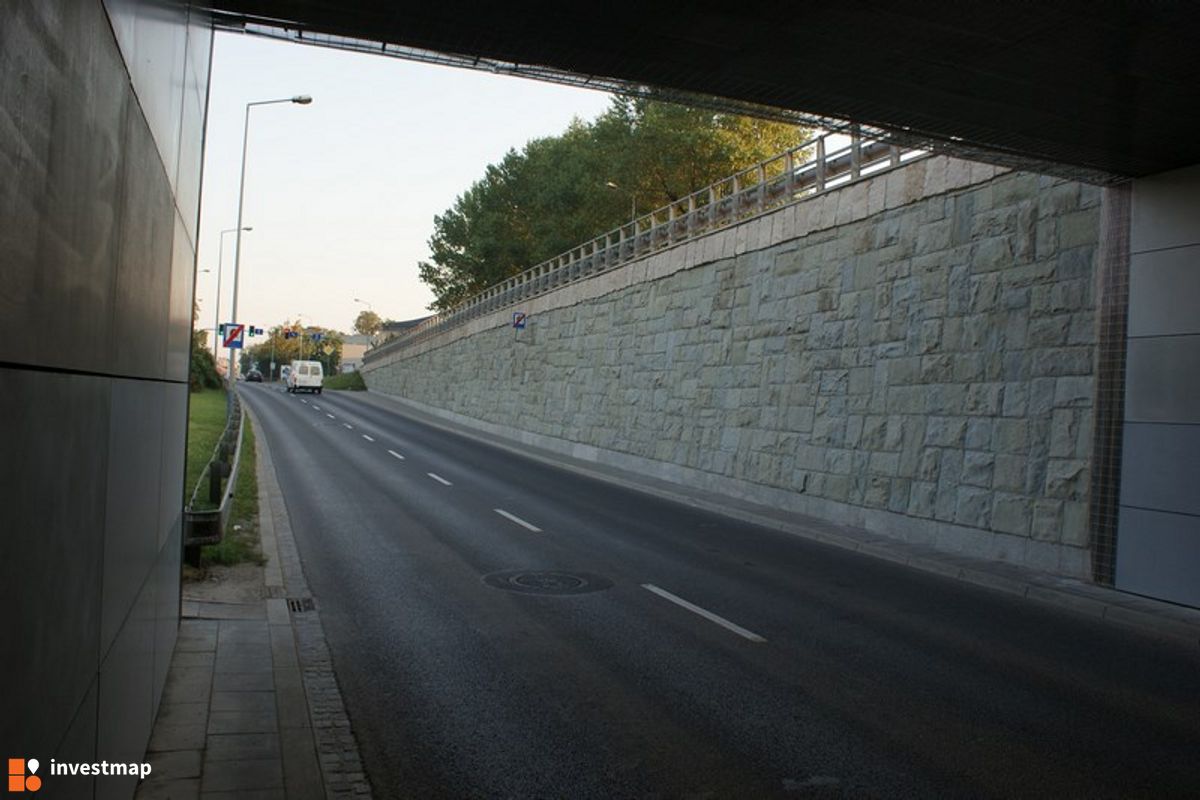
[797,174]
[203,526]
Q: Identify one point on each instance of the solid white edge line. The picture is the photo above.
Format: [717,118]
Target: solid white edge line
[368,438]
[708,615]
[397,455]
[517,520]
[439,479]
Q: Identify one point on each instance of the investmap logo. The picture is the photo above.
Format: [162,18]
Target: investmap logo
[22,775]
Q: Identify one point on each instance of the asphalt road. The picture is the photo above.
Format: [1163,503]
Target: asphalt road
[709,658]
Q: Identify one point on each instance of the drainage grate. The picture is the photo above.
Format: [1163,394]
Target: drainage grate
[299,605]
[551,582]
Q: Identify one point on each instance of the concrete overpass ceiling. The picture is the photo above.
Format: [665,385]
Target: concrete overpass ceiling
[1101,89]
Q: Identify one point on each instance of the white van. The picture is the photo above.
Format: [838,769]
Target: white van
[305,376]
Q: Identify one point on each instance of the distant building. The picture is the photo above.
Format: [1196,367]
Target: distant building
[353,348]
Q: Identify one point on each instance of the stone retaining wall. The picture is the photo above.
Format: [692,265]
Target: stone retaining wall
[912,354]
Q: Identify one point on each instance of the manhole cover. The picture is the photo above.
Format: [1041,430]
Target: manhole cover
[546,581]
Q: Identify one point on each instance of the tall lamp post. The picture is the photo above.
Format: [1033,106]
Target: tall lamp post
[300,99]
[217,313]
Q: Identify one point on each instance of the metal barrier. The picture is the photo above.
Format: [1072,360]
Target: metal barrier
[203,526]
[796,174]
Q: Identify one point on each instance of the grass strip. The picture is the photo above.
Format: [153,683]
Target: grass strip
[240,542]
[349,381]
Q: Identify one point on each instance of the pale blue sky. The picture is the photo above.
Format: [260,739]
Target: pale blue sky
[342,193]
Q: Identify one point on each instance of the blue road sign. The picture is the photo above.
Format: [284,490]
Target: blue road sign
[519,320]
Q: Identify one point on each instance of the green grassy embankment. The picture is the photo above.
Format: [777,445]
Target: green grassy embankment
[351,381]
[206,420]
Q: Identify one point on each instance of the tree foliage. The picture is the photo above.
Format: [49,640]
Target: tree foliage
[203,370]
[367,323]
[561,191]
[327,350]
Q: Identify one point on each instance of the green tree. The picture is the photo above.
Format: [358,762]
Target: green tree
[560,191]
[367,323]
[203,370]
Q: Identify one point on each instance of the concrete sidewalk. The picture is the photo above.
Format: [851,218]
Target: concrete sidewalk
[251,707]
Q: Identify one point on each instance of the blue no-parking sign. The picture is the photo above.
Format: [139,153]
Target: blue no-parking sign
[519,320]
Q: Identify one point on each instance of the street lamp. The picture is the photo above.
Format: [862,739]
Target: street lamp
[217,311]
[300,99]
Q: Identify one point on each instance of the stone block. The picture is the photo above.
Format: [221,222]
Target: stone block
[1011,435]
[979,434]
[984,399]
[973,507]
[945,431]
[1073,392]
[928,464]
[992,254]
[1009,472]
[1063,361]
[977,468]
[1075,529]
[884,463]
[1066,478]
[1064,432]
[1011,513]
[1047,520]
[921,499]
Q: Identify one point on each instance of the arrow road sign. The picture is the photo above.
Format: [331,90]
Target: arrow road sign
[233,334]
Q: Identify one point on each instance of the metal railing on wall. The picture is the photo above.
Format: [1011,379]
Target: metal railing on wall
[797,174]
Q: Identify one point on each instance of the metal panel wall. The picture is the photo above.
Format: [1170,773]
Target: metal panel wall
[1158,544]
[102,107]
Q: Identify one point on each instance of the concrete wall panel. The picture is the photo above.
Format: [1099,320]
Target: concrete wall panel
[135,444]
[1163,287]
[1158,554]
[99,197]
[143,280]
[1165,211]
[1158,551]
[1162,464]
[124,716]
[1163,379]
[59,179]
[55,430]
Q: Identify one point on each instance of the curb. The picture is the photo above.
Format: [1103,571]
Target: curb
[340,763]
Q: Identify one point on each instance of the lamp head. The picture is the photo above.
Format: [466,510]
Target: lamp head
[302,99]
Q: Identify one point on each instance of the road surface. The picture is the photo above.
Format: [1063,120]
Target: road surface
[504,628]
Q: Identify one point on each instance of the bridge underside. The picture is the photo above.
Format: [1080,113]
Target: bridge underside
[1096,87]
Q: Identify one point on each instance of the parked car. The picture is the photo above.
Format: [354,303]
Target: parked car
[254,376]
[305,376]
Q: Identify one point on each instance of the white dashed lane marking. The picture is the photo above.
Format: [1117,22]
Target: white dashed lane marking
[397,455]
[708,615]
[518,520]
[368,438]
[439,479]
